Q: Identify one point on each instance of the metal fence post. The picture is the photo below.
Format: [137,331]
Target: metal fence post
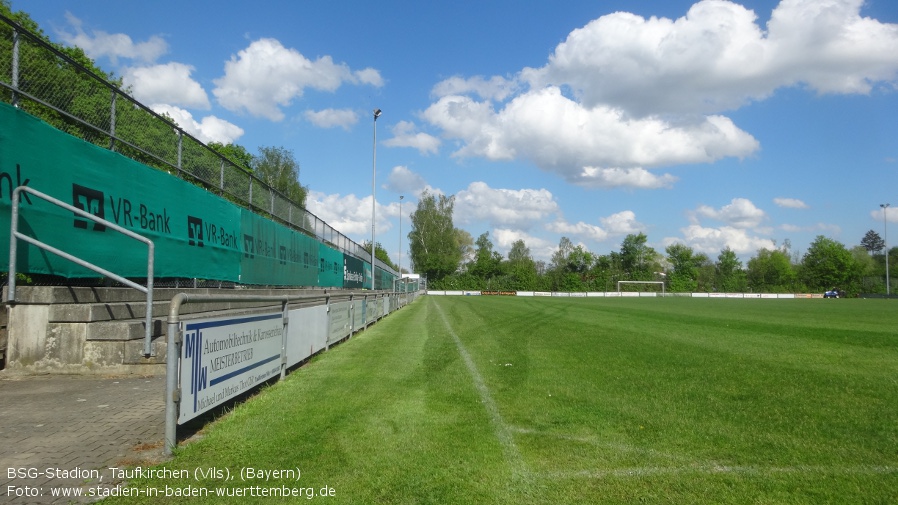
[286,318]
[15,68]
[172,359]
[112,121]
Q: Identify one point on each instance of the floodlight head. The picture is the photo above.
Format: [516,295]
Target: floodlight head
[376,114]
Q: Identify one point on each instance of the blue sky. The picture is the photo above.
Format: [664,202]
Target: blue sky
[711,123]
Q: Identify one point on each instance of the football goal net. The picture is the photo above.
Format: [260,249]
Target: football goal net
[641,286]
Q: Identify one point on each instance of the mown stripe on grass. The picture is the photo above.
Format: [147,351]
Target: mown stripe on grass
[501,429]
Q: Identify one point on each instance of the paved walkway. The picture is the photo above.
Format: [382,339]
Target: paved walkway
[65,431]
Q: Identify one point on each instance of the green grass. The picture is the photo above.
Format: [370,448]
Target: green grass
[548,400]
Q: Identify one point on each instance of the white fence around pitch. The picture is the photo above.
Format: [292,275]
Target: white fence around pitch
[214,360]
[624,294]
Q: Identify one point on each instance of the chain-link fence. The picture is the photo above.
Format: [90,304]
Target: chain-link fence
[50,83]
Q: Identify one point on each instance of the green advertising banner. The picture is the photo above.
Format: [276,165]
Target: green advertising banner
[194,232]
[274,254]
[354,271]
[330,267]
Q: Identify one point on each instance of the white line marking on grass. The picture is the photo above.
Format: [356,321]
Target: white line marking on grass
[596,442]
[649,471]
[500,428]
[687,467]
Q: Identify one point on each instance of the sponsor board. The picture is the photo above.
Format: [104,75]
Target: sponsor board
[222,358]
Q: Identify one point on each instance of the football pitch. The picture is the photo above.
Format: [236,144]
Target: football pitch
[578,400]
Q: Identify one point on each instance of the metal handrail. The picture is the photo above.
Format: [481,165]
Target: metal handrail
[14,235]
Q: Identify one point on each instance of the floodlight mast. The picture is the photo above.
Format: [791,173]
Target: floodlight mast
[377,113]
[885,240]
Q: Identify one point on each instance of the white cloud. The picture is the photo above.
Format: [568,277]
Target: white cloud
[600,146]
[891,214]
[521,208]
[267,76]
[404,135]
[624,95]
[404,181]
[540,249]
[622,223]
[351,215]
[169,84]
[740,213]
[209,129]
[593,177]
[331,118]
[717,58]
[494,88]
[99,44]
[712,240]
[790,203]
[369,76]
[580,230]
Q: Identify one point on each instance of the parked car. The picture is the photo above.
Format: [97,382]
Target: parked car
[834,293]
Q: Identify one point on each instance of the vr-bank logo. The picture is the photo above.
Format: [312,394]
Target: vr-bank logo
[249,246]
[193,350]
[282,255]
[194,231]
[90,201]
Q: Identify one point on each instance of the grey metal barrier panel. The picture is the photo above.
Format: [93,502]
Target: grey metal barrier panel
[340,321]
[308,334]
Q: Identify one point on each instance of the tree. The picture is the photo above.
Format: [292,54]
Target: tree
[729,276]
[433,243]
[235,153]
[771,271]
[828,264]
[872,242]
[486,261]
[871,277]
[379,253]
[521,267]
[637,259]
[465,245]
[685,263]
[276,167]
[519,252]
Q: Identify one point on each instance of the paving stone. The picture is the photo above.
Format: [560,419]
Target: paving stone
[68,422]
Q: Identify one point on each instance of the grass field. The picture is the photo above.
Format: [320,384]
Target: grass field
[550,400]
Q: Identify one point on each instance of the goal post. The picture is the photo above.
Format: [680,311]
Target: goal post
[619,283]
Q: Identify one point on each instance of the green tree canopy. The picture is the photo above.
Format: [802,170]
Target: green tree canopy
[277,167]
[828,264]
[379,253]
[638,260]
[771,271]
[434,248]
[872,242]
[685,263]
[234,152]
[487,263]
[729,276]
